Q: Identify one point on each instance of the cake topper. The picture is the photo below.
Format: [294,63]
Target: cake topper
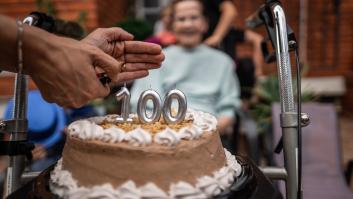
[167,108]
[158,107]
[124,96]
[142,104]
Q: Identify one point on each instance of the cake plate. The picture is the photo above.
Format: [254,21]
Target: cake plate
[251,184]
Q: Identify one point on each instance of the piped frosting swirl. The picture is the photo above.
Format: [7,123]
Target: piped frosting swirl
[62,184]
[167,137]
[90,129]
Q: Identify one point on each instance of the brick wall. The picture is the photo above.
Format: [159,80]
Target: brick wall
[99,13]
[103,14]
[329,37]
[111,11]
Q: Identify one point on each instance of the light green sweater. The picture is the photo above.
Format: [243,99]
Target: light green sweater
[205,75]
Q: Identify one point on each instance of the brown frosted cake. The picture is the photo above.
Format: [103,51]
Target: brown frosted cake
[105,159]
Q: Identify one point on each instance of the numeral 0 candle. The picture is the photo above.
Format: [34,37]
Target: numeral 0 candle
[142,105]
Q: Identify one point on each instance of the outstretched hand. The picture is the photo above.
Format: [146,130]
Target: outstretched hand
[66,72]
[135,58]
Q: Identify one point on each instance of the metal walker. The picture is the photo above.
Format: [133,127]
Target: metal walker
[272,15]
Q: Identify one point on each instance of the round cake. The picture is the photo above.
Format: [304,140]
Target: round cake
[106,159]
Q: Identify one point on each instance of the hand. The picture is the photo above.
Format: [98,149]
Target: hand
[65,70]
[39,152]
[134,57]
[213,41]
[65,73]
[225,125]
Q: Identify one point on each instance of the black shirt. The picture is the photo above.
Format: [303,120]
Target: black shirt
[213,14]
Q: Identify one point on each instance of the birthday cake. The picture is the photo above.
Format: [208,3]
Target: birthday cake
[106,159]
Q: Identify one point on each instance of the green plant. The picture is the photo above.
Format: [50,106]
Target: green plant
[46,6]
[139,28]
[81,20]
[267,94]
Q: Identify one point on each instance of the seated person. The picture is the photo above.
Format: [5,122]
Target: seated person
[46,123]
[204,74]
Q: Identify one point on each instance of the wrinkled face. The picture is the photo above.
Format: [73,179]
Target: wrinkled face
[188,23]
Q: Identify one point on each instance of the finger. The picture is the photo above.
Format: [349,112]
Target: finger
[127,76]
[94,90]
[131,67]
[103,90]
[144,58]
[116,33]
[41,153]
[142,47]
[98,90]
[107,63]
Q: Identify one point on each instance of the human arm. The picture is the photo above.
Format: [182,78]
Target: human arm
[228,101]
[137,56]
[225,125]
[255,39]
[39,152]
[64,69]
[226,20]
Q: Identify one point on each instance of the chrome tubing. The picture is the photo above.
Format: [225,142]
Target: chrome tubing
[17,163]
[288,122]
[16,166]
[274,173]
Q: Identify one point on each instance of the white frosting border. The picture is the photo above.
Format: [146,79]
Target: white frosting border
[62,183]
[88,129]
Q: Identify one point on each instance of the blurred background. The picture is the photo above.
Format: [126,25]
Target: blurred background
[323,28]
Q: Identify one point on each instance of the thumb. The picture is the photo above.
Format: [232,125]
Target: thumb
[117,34]
[108,64]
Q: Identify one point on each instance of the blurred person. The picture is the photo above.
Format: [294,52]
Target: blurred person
[220,34]
[249,69]
[246,36]
[65,70]
[69,29]
[46,122]
[45,129]
[255,39]
[163,34]
[204,74]
[223,35]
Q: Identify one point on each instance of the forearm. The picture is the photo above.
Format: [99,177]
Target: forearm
[255,39]
[258,60]
[225,125]
[34,41]
[226,21]
[8,35]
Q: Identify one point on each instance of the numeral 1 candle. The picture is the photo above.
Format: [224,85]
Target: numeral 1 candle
[124,96]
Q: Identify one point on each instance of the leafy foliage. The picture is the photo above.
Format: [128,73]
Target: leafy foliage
[267,94]
[46,6]
[139,28]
